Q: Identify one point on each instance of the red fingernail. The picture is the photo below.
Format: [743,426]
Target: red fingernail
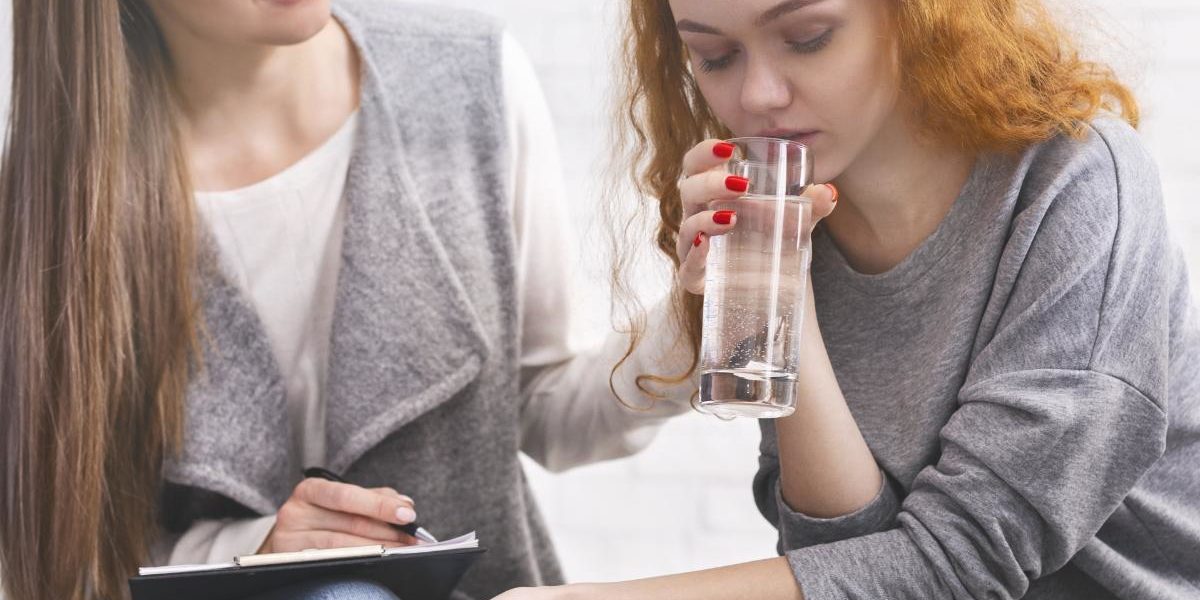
[723,217]
[723,150]
[833,188]
[737,184]
[698,240]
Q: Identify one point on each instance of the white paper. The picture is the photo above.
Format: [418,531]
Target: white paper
[170,569]
[463,541]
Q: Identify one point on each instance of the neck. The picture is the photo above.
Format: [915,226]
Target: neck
[248,110]
[896,194]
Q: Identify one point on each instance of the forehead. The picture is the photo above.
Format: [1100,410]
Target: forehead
[755,12]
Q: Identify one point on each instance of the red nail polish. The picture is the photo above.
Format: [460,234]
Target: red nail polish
[723,150]
[833,188]
[723,217]
[737,184]
[698,240]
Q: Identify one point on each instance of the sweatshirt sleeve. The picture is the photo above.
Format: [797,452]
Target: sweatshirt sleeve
[214,541]
[1063,408]
[569,414]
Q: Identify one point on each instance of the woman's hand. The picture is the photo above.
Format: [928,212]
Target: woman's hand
[328,514]
[706,181]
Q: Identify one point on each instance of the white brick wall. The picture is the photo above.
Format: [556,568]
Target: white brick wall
[685,503]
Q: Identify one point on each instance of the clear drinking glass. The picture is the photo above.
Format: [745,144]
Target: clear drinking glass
[755,284]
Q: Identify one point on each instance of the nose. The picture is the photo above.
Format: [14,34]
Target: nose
[765,88]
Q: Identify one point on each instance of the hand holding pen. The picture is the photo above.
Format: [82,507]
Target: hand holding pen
[329,513]
[411,527]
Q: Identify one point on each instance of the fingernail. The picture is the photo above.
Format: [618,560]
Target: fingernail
[723,150]
[833,188]
[723,217]
[405,514]
[699,239]
[737,184]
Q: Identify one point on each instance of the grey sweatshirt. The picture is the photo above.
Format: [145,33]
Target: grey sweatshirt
[1029,382]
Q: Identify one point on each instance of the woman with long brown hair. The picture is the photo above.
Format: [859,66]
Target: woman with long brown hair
[243,237]
[999,393]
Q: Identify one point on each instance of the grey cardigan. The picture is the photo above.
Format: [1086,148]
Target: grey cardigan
[423,380]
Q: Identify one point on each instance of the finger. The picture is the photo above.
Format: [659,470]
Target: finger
[691,270]
[347,498]
[393,493]
[709,223]
[316,518]
[768,218]
[698,191]
[824,199]
[706,155]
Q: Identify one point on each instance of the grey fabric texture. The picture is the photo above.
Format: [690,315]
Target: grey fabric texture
[1029,381]
[423,379]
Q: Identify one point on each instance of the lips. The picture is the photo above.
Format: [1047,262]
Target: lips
[804,136]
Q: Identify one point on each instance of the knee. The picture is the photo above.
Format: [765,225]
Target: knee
[348,589]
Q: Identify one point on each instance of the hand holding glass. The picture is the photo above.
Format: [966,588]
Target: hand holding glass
[755,284]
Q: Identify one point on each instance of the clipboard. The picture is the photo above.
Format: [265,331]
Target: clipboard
[421,575]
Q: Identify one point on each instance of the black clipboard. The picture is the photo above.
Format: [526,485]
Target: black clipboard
[427,576]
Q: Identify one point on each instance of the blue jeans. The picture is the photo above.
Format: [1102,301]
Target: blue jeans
[337,589]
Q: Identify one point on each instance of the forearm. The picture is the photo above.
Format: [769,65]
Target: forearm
[570,414]
[769,579]
[826,468]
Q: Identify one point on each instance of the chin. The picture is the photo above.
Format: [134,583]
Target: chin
[827,166]
[293,22]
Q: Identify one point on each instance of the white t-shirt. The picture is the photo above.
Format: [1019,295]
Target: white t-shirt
[281,240]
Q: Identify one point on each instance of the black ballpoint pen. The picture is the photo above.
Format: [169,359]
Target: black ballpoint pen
[412,529]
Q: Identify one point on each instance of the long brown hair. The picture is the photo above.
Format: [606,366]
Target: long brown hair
[97,315]
[988,75]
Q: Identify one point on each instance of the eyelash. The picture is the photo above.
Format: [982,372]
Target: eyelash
[814,45]
[716,64]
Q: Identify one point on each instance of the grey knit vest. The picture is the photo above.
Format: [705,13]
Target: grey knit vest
[423,376]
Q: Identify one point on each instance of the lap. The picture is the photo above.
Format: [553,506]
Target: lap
[339,589]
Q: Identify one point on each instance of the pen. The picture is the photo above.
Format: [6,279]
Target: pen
[412,529]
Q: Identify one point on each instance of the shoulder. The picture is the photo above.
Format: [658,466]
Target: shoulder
[416,19]
[1098,182]
[418,37]
[432,61]
[1108,160]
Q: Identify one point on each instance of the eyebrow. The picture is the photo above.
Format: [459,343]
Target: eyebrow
[783,8]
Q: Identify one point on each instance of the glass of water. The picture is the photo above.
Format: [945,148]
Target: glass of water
[755,284]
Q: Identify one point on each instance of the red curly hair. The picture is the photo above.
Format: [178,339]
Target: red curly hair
[987,75]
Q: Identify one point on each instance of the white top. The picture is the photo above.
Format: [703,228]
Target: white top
[281,240]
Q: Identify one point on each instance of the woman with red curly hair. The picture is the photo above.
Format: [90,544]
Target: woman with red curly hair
[999,393]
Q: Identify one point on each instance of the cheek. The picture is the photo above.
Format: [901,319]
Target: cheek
[855,100]
[724,100]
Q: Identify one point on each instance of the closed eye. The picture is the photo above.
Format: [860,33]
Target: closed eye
[813,44]
[708,65]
